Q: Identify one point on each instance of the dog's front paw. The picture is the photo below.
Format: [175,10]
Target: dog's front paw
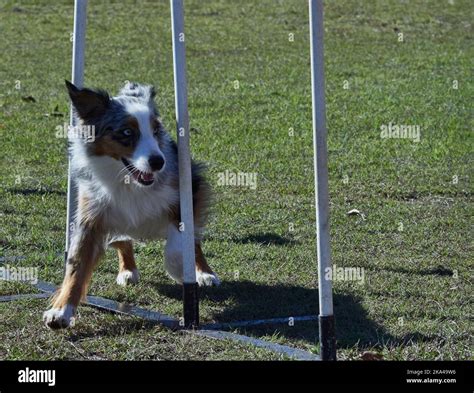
[56,318]
[207,279]
[126,277]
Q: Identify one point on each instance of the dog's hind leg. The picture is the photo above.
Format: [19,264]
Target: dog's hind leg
[174,253]
[201,200]
[174,260]
[128,272]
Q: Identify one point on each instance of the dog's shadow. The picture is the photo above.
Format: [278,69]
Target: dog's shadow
[239,300]
[246,300]
[235,301]
[267,239]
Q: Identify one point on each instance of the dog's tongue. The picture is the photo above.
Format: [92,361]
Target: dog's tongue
[146,176]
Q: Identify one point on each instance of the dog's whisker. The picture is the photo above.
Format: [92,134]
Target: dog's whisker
[122,172]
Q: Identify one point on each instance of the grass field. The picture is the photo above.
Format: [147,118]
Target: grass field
[405,62]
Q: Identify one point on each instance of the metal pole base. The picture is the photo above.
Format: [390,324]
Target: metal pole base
[190,305]
[327,337]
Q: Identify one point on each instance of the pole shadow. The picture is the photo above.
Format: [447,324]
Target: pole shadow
[267,239]
[36,191]
[235,301]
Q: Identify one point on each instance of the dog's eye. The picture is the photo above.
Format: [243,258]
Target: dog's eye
[127,132]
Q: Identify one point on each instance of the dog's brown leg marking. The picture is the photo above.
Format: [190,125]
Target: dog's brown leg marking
[201,263]
[125,254]
[86,249]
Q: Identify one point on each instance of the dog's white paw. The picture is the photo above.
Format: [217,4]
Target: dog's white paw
[207,279]
[56,318]
[126,277]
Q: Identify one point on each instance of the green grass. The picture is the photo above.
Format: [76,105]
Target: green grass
[415,300]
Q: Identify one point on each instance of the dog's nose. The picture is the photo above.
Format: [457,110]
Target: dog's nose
[156,162]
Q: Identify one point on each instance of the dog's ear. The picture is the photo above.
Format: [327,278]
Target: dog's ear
[152,92]
[89,104]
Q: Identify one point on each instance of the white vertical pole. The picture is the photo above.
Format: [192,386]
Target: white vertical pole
[326,316]
[78,50]
[191,314]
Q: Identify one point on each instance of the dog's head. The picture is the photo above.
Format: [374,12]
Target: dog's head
[126,128]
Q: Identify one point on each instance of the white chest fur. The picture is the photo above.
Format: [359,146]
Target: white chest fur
[128,209]
[140,213]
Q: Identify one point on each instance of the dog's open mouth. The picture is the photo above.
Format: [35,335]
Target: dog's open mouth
[144,178]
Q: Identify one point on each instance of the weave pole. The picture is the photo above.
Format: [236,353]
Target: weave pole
[190,289]
[78,51]
[327,337]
